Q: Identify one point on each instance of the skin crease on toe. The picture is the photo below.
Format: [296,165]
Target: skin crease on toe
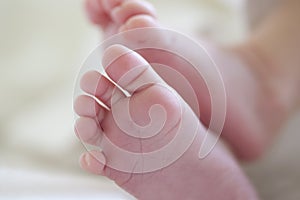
[97,85]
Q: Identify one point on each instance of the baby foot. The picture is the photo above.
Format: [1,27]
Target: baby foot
[251,105]
[114,16]
[177,173]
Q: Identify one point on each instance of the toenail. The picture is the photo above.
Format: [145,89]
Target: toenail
[87,159]
[140,21]
[94,160]
[109,4]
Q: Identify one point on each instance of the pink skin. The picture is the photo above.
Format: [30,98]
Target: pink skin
[218,176]
[246,129]
[255,108]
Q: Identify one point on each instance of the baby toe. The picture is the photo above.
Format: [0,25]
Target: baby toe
[139,21]
[99,86]
[96,13]
[86,106]
[129,9]
[88,131]
[93,162]
[128,69]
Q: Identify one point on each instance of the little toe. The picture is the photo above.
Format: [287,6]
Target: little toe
[88,130]
[99,86]
[128,69]
[129,9]
[93,162]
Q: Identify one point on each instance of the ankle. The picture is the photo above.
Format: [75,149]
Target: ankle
[277,90]
[282,78]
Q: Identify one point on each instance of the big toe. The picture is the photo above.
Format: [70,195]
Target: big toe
[129,69]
